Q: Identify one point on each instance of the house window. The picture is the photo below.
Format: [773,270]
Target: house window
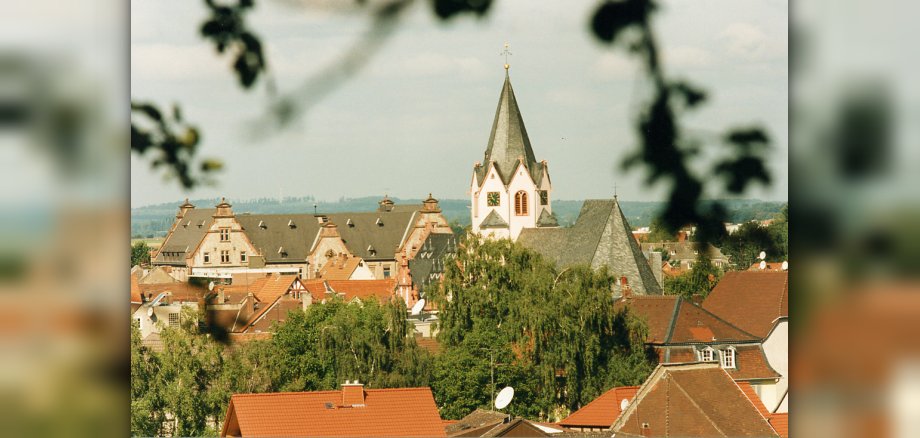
[544,197]
[520,203]
[242,256]
[174,319]
[706,355]
[224,234]
[386,272]
[493,198]
[728,358]
[207,257]
[225,256]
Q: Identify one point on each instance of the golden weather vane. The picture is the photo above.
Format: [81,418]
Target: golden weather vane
[505,52]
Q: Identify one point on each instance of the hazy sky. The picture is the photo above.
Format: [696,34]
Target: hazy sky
[418,116]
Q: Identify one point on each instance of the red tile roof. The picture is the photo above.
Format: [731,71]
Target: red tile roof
[340,268]
[603,410]
[386,412]
[754,398]
[699,400]
[351,289]
[750,361]
[751,300]
[135,289]
[671,319]
[780,423]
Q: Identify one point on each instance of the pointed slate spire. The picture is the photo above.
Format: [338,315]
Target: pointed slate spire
[619,251]
[508,142]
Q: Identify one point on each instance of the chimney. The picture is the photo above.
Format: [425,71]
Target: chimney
[431,205]
[184,208]
[306,298]
[624,287]
[223,209]
[249,305]
[352,393]
[385,204]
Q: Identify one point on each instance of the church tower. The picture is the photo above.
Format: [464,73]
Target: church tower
[510,189]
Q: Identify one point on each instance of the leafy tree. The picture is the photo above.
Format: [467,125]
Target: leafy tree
[140,254]
[699,281]
[557,332]
[744,245]
[659,231]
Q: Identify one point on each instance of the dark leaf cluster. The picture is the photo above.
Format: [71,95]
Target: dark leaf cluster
[226,28]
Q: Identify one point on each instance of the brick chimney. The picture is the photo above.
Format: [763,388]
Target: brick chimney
[624,287]
[352,393]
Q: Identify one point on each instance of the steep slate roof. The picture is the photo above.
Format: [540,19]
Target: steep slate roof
[601,236]
[508,141]
[602,411]
[185,237]
[547,219]
[275,233]
[674,320]
[364,231]
[683,250]
[751,300]
[320,414]
[699,400]
[428,264]
[493,220]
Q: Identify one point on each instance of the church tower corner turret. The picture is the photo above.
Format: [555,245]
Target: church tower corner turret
[510,190]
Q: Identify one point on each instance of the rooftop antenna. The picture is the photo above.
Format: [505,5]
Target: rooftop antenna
[314,209]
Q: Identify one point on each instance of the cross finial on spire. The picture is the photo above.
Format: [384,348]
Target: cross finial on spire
[505,52]
[614,190]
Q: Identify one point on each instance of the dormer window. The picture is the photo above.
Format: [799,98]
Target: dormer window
[728,358]
[282,251]
[707,355]
[262,225]
[350,223]
[291,224]
[379,222]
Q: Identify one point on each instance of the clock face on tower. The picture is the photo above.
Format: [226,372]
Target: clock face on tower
[493,199]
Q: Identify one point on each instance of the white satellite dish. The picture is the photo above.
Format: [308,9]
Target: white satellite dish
[763,265]
[149,311]
[785,266]
[623,404]
[211,286]
[417,308]
[763,255]
[504,397]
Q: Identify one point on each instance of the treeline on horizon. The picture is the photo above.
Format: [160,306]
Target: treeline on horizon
[155,220]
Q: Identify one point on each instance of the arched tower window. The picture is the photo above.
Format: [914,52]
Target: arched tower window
[520,203]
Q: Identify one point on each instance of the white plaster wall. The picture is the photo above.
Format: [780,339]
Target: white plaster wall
[521,181]
[776,348]
[362,273]
[492,184]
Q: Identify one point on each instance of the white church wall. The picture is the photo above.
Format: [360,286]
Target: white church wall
[492,183]
[521,181]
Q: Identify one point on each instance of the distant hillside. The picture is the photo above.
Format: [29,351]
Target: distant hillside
[155,220]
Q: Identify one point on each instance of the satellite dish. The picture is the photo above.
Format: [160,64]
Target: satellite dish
[211,286]
[504,397]
[785,266]
[623,404]
[417,308]
[150,311]
[763,265]
[762,255]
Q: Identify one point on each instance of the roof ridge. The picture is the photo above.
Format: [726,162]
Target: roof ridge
[673,323]
[724,321]
[697,406]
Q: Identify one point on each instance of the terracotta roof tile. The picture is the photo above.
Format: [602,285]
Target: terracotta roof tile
[320,413]
[340,268]
[751,300]
[672,319]
[602,411]
[351,289]
[754,398]
[780,423]
[135,290]
[698,400]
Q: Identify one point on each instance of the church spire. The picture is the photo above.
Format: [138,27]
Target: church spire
[508,142]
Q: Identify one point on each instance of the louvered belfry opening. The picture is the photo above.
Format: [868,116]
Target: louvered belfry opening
[520,203]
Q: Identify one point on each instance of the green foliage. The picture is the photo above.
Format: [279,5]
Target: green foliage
[659,231]
[140,254]
[699,281]
[556,334]
[744,245]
